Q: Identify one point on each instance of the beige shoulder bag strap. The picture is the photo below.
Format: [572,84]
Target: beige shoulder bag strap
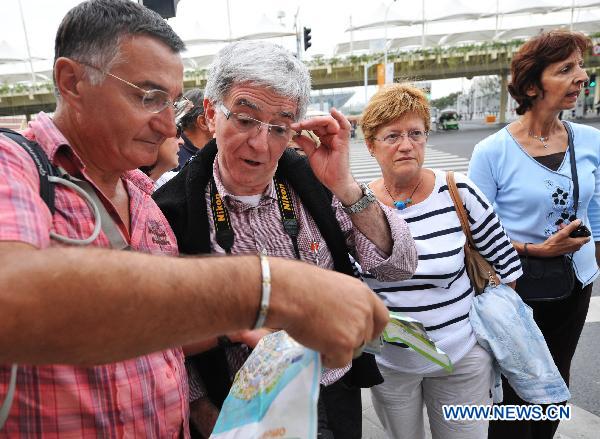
[478,269]
[460,208]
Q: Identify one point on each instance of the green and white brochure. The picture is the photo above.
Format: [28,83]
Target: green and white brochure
[406,330]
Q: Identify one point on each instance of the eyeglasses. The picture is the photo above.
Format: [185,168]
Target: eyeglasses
[153,101]
[244,123]
[415,136]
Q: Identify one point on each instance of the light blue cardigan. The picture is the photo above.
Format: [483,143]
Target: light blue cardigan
[529,198]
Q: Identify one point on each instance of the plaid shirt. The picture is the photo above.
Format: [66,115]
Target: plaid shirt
[143,397]
[259,229]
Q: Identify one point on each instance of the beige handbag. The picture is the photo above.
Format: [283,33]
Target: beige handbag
[478,269]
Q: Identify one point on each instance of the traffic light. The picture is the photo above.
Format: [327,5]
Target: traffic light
[166,8]
[586,91]
[307,38]
[592,80]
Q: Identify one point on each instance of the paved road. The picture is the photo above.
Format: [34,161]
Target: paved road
[452,151]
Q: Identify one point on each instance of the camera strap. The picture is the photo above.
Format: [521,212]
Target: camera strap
[288,214]
[223,230]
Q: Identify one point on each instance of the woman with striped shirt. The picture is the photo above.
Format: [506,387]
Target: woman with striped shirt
[395,124]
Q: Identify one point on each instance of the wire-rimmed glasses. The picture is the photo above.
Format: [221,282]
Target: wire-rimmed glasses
[153,101]
[245,123]
[414,136]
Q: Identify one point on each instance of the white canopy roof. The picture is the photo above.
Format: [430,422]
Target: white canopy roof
[522,22]
[8,53]
[263,29]
[205,25]
[397,14]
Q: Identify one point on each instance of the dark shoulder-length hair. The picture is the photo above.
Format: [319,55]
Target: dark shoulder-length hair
[535,55]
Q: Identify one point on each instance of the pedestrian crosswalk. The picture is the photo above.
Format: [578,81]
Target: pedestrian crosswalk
[365,168]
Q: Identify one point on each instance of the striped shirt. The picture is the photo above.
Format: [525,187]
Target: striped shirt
[440,293]
[142,397]
[259,229]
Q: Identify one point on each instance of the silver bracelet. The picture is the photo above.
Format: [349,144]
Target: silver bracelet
[265,297]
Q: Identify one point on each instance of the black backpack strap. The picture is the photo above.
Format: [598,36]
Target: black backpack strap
[42,163]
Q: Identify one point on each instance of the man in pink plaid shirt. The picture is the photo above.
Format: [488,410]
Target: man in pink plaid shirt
[96,332]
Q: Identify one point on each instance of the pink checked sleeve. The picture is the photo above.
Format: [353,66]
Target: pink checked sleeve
[399,265]
[24,216]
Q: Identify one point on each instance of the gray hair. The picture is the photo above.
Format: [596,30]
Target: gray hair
[92,32]
[259,63]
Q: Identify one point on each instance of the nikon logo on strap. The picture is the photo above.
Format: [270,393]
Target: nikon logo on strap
[219,209]
[286,203]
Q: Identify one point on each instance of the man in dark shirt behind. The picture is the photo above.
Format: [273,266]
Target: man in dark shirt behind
[195,132]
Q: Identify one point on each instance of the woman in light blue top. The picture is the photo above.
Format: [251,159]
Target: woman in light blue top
[525,171]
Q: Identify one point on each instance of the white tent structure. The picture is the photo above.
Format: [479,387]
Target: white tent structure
[263,29]
[203,34]
[20,72]
[375,26]
[436,23]
[9,54]
[195,57]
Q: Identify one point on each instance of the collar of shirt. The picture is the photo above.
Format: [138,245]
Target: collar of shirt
[188,145]
[57,147]
[268,196]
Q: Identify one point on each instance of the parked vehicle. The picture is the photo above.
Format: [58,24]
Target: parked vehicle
[448,120]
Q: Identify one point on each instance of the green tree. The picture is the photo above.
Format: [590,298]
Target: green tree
[446,101]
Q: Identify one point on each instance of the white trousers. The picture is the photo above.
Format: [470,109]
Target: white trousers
[398,401]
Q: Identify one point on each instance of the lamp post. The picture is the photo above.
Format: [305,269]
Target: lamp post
[497,16]
[367,65]
[28,50]
[572,13]
[229,21]
[423,24]
[351,37]
[387,10]
[298,38]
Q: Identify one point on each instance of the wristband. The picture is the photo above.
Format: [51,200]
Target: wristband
[265,293]
[525,251]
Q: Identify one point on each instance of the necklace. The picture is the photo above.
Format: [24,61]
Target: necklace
[542,139]
[403,204]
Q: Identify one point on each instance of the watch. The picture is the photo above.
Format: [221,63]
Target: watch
[367,198]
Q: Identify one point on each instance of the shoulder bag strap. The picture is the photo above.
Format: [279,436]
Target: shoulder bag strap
[460,209]
[573,166]
[109,227]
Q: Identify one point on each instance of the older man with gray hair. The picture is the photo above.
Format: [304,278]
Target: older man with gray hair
[246,192]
